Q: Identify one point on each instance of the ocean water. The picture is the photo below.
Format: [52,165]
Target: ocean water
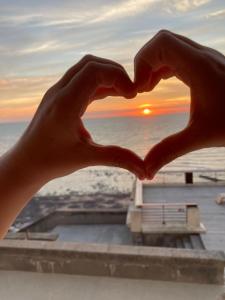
[136,133]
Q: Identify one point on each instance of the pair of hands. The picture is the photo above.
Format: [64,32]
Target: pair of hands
[56,142]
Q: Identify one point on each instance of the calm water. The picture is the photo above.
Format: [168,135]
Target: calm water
[137,134]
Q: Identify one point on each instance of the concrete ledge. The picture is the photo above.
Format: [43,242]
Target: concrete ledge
[38,236]
[168,264]
[77,216]
[181,184]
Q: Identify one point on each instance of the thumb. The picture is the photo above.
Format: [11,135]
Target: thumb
[169,149]
[119,157]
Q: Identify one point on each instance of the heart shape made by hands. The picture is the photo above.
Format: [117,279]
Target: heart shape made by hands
[166,55]
[200,68]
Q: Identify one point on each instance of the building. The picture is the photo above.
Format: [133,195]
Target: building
[87,254]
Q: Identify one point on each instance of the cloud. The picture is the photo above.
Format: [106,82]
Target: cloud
[183,5]
[125,9]
[39,40]
[217,14]
[12,20]
[80,16]
[48,46]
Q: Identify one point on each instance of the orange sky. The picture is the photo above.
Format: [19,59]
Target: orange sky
[20,98]
[138,111]
[169,96]
[40,41]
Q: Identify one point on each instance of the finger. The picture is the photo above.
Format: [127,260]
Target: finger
[78,66]
[94,76]
[165,50]
[163,73]
[188,41]
[107,78]
[118,157]
[142,74]
[102,93]
[197,45]
[169,149]
[84,133]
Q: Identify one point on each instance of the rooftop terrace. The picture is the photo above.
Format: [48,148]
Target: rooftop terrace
[95,242]
[212,214]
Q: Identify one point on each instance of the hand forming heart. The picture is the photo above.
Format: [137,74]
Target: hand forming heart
[57,143]
[203,70]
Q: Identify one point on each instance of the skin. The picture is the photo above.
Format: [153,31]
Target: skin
[202,69]
[56,142]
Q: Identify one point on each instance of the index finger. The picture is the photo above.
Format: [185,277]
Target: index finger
[165,50]
[97,75]
[79,66]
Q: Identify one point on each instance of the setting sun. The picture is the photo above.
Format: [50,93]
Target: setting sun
[146,111]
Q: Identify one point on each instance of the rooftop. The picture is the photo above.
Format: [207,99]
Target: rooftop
[212,214]
[69,251]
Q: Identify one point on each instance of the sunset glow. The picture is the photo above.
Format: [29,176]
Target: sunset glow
[146,105]
[147,111]
[37,48]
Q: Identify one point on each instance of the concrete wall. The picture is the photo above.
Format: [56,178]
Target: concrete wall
[168,264]
[20,285]
[78,216]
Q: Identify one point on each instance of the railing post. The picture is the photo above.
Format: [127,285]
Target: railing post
[136,220]
[193,217]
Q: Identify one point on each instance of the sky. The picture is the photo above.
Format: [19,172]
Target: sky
[40,40]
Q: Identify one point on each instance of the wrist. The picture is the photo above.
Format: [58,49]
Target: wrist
[18,184]
[17,165]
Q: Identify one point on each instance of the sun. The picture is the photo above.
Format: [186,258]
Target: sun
[146,111]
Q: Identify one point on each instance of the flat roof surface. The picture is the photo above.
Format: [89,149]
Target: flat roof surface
[36,286]
[95,233]
[212,215]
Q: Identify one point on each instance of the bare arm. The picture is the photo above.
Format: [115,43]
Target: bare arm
[17,185]
[56,142]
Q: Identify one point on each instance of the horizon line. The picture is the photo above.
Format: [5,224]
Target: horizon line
[106,117]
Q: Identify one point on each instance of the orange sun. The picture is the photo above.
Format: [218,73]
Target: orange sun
[146,111]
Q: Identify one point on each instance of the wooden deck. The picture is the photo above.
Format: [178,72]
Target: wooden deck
[212,214]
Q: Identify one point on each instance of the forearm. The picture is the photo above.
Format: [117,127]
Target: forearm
[17,186]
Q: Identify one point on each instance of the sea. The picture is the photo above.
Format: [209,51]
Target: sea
[136,133]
